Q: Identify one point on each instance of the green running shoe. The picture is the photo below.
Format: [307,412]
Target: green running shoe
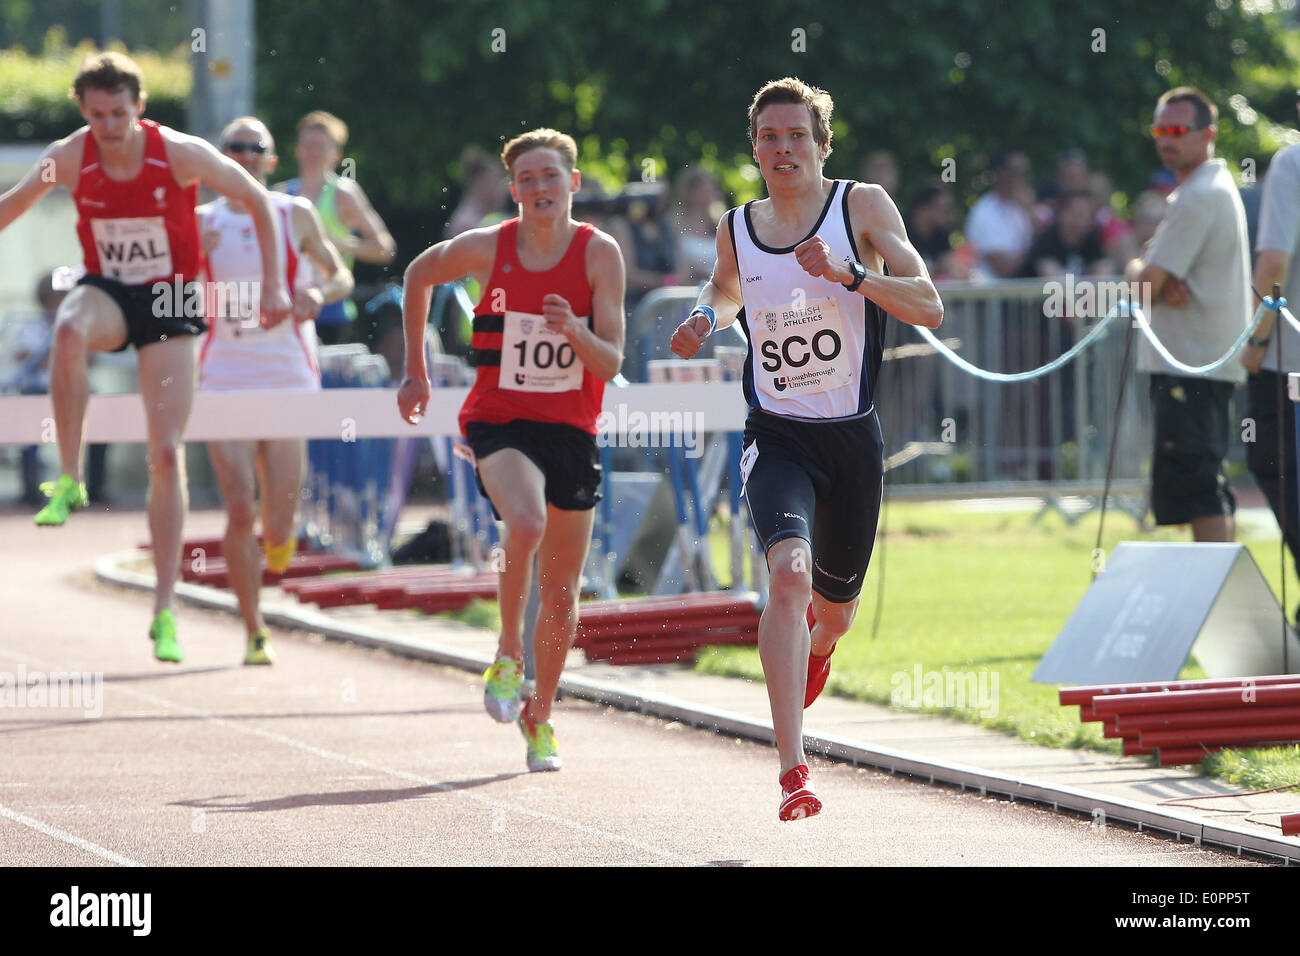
[163,632]
[66,495]
[501,690]
[260,650]
[542,752]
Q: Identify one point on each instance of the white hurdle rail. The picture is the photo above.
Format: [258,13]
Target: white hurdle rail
[358,413]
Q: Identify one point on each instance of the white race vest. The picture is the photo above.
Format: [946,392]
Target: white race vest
[811,342]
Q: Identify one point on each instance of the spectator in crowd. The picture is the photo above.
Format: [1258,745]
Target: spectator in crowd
[1198,272]
[932,228]
[1072,244]
[1117,239]
[651,256]
[999,225]
[32,356]
[697,206]
[1148,213]
[1252,194]
[486,195]
[881,167]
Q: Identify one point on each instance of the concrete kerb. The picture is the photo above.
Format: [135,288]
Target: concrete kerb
[1058,797]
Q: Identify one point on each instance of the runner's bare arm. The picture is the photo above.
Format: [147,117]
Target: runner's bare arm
[193,159]
[907,292]
[56,167]
[470,253]
[600,347]
[336,281]
[721,293]
[375,245]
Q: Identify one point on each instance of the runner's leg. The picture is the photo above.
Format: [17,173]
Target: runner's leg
[833,621]
[282,466]
[561,557]
[232,461]
[515,486]
[783,643]
[167,382]
[88,320]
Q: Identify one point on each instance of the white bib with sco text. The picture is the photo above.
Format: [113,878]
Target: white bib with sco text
[800,348]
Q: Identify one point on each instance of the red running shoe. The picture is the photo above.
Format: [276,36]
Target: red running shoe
[797,799]
[819,668]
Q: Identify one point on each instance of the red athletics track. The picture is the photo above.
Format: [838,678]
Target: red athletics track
[340,755]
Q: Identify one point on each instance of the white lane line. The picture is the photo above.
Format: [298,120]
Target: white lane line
[366,765]
[66,837]
[411,777]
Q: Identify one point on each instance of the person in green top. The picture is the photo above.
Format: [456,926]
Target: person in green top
[351,223]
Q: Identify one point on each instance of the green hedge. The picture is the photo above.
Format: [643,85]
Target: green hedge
[35,104]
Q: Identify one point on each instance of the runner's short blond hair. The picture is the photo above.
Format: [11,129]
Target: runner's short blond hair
[545,138]
[334,127]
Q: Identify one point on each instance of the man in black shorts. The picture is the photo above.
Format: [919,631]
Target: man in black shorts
[548,334]
[813,302]
[1198,268]
[135,184]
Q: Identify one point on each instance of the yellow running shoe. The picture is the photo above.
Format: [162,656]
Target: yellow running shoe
[542,753]
[278,556]
[260,650]
[66,496]
[501,689]
[163,633]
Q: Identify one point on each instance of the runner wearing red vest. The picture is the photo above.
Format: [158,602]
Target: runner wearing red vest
[135,184]
[548,334]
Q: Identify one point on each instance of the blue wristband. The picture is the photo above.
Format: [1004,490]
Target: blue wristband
[708,313]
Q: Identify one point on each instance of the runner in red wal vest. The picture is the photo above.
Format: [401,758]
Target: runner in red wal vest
[548,335]
[135,184]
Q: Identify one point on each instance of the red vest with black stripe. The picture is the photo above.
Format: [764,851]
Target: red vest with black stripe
[513,287]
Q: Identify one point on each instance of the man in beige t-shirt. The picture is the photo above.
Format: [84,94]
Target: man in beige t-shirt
[1198,267]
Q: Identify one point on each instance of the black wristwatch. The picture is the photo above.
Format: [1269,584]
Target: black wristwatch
[859,273]
[1259,343]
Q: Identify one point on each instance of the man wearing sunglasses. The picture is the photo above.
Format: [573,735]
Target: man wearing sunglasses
[134,184]
[1198,268]
[240,352]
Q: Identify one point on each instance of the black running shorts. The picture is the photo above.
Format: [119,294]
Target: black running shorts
[143,327]
[820,481]
[568,458]
[1188,476]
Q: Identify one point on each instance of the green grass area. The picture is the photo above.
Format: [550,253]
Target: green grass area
[973,592]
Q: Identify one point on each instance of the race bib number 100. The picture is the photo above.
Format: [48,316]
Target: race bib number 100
[534,359]
[133,251]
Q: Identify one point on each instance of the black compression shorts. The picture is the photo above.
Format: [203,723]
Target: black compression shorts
[137,302]
[820,481]
[567,457]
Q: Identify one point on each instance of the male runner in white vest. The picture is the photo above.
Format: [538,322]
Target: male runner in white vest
[804,272]
[239,353]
